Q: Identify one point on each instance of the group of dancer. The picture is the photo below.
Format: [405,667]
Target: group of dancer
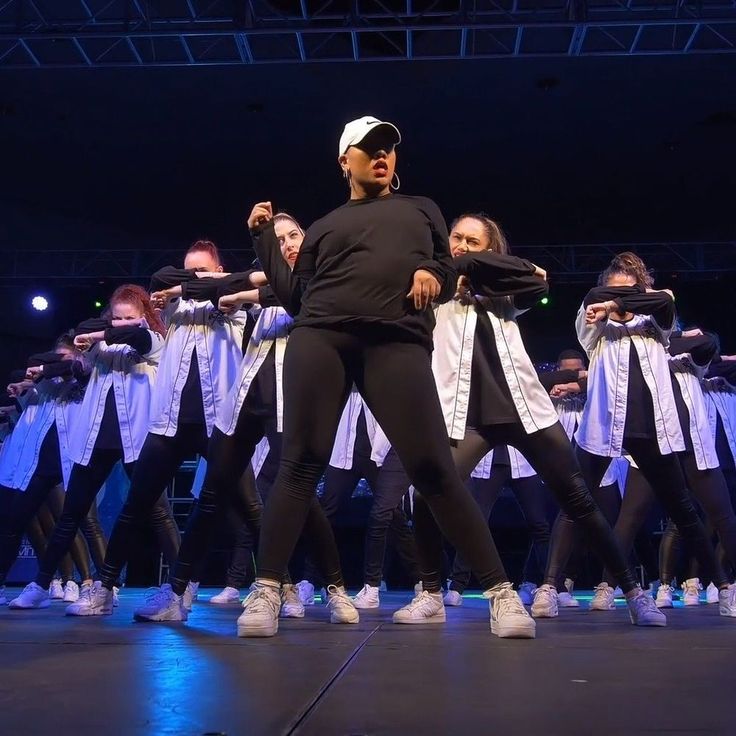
[374,343]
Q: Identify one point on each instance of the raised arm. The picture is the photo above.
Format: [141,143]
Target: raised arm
[633,299]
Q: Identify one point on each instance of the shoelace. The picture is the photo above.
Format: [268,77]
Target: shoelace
[508,603]
[336,598]
[158,596]
[259,601]
[290,595]
[422,601]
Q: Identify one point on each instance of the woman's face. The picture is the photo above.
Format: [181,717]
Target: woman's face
[468,236]
[125,311]
[620,279]
[201,260]
[290,239]
[371,164]
[66,353]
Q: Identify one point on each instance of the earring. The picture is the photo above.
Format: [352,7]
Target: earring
[396,186]
[346,174]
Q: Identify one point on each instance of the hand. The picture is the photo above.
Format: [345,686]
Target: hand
[261,213]
[598,312]
[83,342]
[696,332]
[159,299]
[424,290]
[582,375]
[34,372]
[229,303]
[728,357]
[18,389]
[561,390]
[463,287]
[539,272]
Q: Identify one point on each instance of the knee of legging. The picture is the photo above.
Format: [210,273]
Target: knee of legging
[539,531]
[433,478]
[300,474]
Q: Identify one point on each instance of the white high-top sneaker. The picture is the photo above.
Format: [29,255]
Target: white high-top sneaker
[94,600]
[306,592]
[71,592]
[291,604]
[453,597]
[56,590]
[644,612]
[727,601]
[3,596]
[664,596]
[603,598]
[225,596]
[342,610]
[367,597]
[33,596]
[712,594]
[526,593]
[692,588]
[191,594]
[162,604]
[545,603]
[261,608]
[509,618]
[425,608]
[115,596]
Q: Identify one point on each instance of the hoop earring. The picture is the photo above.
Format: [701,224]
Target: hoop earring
[397,186]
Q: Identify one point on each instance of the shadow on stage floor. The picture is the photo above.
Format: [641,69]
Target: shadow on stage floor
[586,673]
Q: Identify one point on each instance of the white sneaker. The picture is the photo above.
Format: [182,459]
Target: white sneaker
[71,592]
[664,596]
[306,592]
[567,600]
[419,587]
[94,600]
[526,593]
[509,618]
[425,608]
[33,596]
[56,590]
[162,604]
[712,594]
[692,588]
[727,601]
[115,596]
[3,597]
[191,594]
[382,588]
[453,598]
[342,610]
[545,604]
[367,597]
[291,604]
[644,612]
[618,593]
[603,598]
[225,596]
[261,608]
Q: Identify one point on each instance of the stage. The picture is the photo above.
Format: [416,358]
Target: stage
[586,673]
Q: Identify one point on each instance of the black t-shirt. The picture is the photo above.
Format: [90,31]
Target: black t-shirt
[357,265]
[191,406]
[490,400]
[683,414]
[639,406]
[108,438]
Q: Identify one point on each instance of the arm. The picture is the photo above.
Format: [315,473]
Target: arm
[549,379]
[441,265]
[170,276]
[64,369]
[211,289]
[495,275]
[633,299]
[702,348]
[138,338]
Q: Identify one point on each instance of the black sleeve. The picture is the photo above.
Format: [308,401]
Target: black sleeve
[495,275]
[441,265]
[723,369]
[702,348]
[549,379]
[266,297]
[287,285]
[65,369]
[169,276]
[44,358]
[211,289]
[94,324]
[138,338]
[636,300]
[16,376]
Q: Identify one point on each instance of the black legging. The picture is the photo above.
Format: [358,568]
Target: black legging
[711,491]
[665,477]
[550,453]
[157,464]
[396,381]
[84,485]
[531,497]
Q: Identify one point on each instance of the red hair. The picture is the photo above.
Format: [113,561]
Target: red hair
[205,246]
[138,297]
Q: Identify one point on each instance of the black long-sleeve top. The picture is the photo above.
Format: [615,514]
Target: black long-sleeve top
[357,264]
[138,338]
[550,379]
[637,300]
[702,348]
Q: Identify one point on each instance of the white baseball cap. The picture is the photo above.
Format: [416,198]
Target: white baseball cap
[356,130]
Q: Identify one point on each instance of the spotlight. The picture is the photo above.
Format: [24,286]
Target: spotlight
[40,303]
[98,304]
[544,300]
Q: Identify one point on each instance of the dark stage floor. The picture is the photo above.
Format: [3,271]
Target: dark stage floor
[586,673]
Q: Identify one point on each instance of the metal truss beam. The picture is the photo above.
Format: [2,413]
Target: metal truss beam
[120,33]
[693,261]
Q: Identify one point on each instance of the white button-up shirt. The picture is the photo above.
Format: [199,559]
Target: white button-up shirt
[131,377]
[217,339]
[607,344]
[720,401]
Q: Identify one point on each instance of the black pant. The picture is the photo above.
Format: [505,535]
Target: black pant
[531,497]
[550,453]
[710,489]
[665,477]
[84,485]
[396,381]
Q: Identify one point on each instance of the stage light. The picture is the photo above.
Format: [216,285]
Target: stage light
[544,300]
[40,303]
[98,304]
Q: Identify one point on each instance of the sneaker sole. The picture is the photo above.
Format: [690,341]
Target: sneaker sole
[438,618]
[352,620]
[663,605]
[291,615]
[599,608]
[570,605]
[89,612]
[157,618]
[366,606]
[651,623]
[513,632]
[544,614]
[233,602]
[43,604]
[256,632]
